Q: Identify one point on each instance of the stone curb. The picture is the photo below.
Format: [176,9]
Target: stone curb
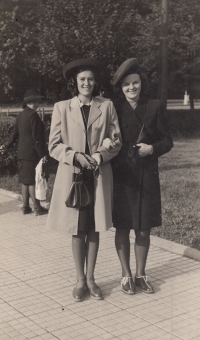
[18,197]
[173,247]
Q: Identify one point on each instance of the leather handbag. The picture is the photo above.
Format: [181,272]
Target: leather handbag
[79,196]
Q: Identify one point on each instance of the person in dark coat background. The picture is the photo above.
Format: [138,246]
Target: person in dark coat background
[29,128]
[137,202]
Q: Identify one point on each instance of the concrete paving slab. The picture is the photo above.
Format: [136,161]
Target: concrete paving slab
[37,277]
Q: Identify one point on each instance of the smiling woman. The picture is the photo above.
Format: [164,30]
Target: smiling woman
[79,127]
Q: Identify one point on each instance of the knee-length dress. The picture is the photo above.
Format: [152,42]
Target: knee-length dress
[137,201]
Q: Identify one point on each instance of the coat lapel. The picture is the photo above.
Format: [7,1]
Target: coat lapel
[76,112]
[95,112]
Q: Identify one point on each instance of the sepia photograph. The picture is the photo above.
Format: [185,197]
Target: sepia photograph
[100,169]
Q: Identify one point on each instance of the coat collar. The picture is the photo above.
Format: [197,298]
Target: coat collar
[95,112]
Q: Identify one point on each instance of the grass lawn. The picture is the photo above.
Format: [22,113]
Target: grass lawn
[180,190]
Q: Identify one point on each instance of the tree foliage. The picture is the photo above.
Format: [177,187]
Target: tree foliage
[37,37]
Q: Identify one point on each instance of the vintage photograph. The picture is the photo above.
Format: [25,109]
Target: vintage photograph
[100,169]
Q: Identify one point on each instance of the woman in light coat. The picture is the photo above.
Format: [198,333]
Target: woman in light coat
[80,125]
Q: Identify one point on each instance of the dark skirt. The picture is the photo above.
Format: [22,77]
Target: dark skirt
[26,171]
[86,215]
[137,204]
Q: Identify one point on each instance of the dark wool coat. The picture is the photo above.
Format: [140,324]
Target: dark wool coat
[30,130]
[137,201]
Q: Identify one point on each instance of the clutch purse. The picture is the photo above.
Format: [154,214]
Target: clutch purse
[78,196]
[143,137]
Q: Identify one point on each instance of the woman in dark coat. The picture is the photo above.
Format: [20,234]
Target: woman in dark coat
[29,129]
[137,202]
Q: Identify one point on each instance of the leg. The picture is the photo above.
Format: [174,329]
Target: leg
[78,250]
[142,243]
[31,189]
[122,244]
[39,210]
[92,246]
[25,196]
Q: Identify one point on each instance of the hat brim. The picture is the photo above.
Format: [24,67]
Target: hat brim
[32,98]
[124,68]
[71,67]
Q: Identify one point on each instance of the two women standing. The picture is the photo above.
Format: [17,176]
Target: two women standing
[85,134]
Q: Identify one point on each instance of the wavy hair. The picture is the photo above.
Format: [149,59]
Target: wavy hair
[72,82]
[144,82]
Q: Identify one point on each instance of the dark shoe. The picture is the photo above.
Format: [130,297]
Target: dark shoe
[144,284]
[41,211]
[94,290]
[128,285]
[79,293]
[26,210]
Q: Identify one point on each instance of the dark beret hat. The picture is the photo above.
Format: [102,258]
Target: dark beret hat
[31,95]
[124,68]
[71,67]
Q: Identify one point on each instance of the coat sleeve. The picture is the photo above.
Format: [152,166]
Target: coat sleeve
[114,134]
[38,135]
[165,142]
[57,149]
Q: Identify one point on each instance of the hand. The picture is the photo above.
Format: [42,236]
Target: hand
[108,143]
[145,149]
[97,157]
[44,159]
[86,161]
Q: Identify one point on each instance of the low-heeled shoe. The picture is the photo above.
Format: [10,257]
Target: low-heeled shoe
[144,284]
[95,292]
[79,294]
[41,211]
[128,285]
[26,210]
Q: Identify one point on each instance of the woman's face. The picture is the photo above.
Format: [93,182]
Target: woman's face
[131,87]
[85,83]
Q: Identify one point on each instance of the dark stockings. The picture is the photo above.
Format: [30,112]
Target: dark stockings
[142,243]
[85,249]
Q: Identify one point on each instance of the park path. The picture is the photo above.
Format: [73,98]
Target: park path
[37,277]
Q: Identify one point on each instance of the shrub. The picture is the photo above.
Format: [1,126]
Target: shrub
[8,160]
[184,123]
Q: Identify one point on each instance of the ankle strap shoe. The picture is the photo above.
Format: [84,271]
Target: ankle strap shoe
[144,284]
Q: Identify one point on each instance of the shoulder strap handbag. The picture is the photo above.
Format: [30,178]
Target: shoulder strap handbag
[143,137]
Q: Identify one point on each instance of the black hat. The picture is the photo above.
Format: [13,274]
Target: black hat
[124,68]
[69,68]
[31,95]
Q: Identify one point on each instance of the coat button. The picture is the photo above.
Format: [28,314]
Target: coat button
[96,128]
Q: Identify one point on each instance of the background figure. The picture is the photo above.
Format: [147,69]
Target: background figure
[31,148]
[79,126]
[137,202]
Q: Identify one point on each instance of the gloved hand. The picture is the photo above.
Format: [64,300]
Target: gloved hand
[108,143]
[145,149]
[86,161]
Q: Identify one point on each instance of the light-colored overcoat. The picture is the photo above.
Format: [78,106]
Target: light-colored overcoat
[67,136]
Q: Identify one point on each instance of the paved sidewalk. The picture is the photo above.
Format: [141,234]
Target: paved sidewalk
[37,278]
